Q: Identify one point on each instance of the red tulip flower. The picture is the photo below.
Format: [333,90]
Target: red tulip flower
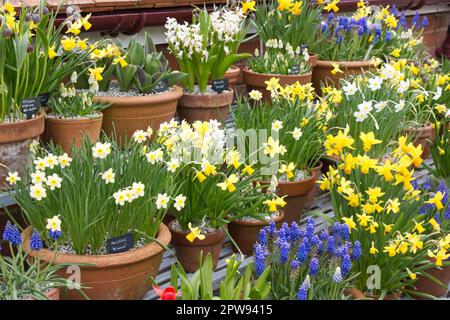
[168,293]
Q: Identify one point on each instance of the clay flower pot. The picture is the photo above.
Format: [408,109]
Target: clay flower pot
[120,276]
[67,132]
[53,294]
[15,139]
[188,253]
[296,195]
[317,171]
[422,136]
[425,285]
[205,107]
[313,58]
[125,115]
[322,72]
[356,294]
[245,233]
[232,75]
[256,81]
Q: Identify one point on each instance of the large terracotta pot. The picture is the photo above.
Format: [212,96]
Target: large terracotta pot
[15,140]
[120,276]
[245,233]
[356,294]
[422,136]
[67,132]
[188,253]
[312,194]
[425,285]
[322,72]
[205,107]
[256,81]
[125,115]
[296,195]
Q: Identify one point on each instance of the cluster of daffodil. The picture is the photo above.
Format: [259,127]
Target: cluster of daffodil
[292,22]
[37,48]
[369,32]
[216,181]
[384,102]
[99,192]
[285,136]
[379,201]
[440,147]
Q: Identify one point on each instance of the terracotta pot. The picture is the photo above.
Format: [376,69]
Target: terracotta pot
[256,81]
[125,115]
[322,72]
[245,233]
[312,194]
[356,294]
[120,276]
[232,75]
[422,136]
[67,132]
[313,58]
[296,193]
[425,285]
[188,253]
[53,294]
[15,139]
[205,107]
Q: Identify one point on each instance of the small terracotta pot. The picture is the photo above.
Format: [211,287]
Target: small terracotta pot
[296,193]
[68,132]
[15,139]
[245,233]
[312,194]
[256,81]
[356,294]
[205,107]
[120,276]
[425,285]
[322,72]
[232,75]
[188,253]
[313,58]
[422,136]
[125,115]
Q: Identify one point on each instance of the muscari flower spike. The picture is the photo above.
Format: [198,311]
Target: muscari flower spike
[285,249]
[260,258]
[346,265]
[314,267]
[295,232]
[337,276]
[35,241]
[303,292]
[12,234]
[262,237]
[356,250]
[302,252]
[55,235]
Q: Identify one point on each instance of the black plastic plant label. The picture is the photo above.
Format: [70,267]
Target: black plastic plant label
[30,107]
[219,85]
[295,69]
[119,244]
[161,86]
[44,98]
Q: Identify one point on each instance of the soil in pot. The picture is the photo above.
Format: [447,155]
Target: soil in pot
[188,253]
[317,171]
[245,232]
[120,276]
[128,113]
[68,132]
[322,72]
[204,107]
[296,195]
[425,285]
[15,140]
[422,136]
[256,81]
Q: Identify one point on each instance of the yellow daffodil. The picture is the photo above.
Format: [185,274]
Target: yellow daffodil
[74,28]
[85,22]
[120,60]
[412,275]
[248,5]
[287,169]
[368,140]
[200,176]
[350,223]
[373,250]
[391,21]
[332,6]
[396,53]
[353,199]
[194,234]
[393,205]
[69,43]
[387,228]
[296,8]
[437,200]
[248,170]
[418,227]
[415,242]
[438,255]
[336,69]
[364,219]
[229,183]
[96,73]
[284,4]
[435,224]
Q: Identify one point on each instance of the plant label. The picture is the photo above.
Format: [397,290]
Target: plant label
[295,69]
[161,86]
[119,244]
[44,98]
[30,107]
[220,85]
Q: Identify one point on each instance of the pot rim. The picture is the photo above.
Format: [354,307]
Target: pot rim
[348,64]
[103,261]
[162,97]
[6,127]
[274,75]
[99,116]
[260,223]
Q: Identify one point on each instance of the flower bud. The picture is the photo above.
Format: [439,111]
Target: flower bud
[70,10]
[45,11]
[7,32]
[36,18]
[28,17]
